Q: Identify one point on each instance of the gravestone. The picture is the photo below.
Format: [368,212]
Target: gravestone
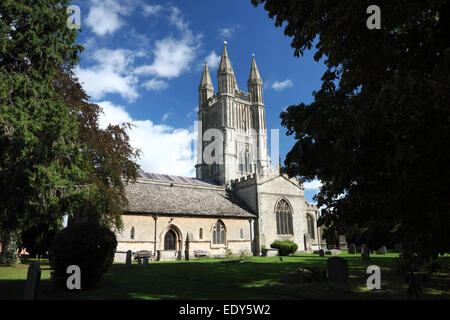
[32,284]
[338,273]
[342,243]
[145,261]
[139,260]
[364,248]
[365,252]
[358,250]
[321,253]
[352,248]
[128,258]
[382,250]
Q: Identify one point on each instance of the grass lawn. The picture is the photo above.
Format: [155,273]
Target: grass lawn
[256,278]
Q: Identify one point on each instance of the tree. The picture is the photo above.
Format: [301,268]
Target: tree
[54,160]
[109,159]
[39,151]
[377,132]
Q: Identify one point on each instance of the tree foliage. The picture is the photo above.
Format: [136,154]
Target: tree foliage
[39,150]
[377,131]
[107,154]
[54,159]
[86,245]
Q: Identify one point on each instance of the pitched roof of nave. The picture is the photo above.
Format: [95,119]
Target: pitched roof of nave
[176,195]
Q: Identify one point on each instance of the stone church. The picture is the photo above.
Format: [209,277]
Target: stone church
[238,203]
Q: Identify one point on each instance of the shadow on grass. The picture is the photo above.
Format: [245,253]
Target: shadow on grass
[257,278]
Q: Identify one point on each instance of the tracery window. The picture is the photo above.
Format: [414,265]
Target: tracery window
[245,163]
[219,233]
[310,224]
[284,217]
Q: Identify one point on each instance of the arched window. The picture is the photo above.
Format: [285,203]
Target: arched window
[219,233]
[284,217]
[310,224]
[245,162]
[242,234]
[132,233]
[241,161]
[200,234]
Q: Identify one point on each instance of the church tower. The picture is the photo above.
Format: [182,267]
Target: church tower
[232,140]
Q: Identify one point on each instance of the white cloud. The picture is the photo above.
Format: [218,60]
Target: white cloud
[164,149]
[148,9]
[173,56]
[212,60]
[282,85]
[314,184]
[111,74]
[226,32]
[155,85]
[165,116]
[177,20]
[105,15]
[115,71]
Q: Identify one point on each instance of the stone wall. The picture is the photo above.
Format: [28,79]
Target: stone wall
[262,194]
[144,234]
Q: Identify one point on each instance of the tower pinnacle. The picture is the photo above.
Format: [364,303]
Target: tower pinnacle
[254,72]
[206,78]
[226,69]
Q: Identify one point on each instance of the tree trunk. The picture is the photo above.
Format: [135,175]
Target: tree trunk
[9,255]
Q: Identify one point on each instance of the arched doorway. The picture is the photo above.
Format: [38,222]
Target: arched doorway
[170,240]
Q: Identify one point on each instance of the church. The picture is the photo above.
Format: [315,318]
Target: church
[237,203]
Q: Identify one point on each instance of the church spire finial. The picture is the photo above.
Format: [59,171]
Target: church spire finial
[206,78]
[254,72]
[226,68]
[225,64]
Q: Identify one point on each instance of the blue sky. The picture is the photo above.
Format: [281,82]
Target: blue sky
[143,62]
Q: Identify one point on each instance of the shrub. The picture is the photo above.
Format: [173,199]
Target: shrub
[87,245]
[285,248]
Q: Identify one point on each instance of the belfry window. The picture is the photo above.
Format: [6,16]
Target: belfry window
[219,233]
[245,162]
[284,217]
[310,224]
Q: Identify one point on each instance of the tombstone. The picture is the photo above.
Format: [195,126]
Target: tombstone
[364,248]
[145,261]
[32,284]
[358,249]
[382,250]
[139,260]
[338,273]
[343,243]
[128,258]
[365,253]
[352,248]
[321,253]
